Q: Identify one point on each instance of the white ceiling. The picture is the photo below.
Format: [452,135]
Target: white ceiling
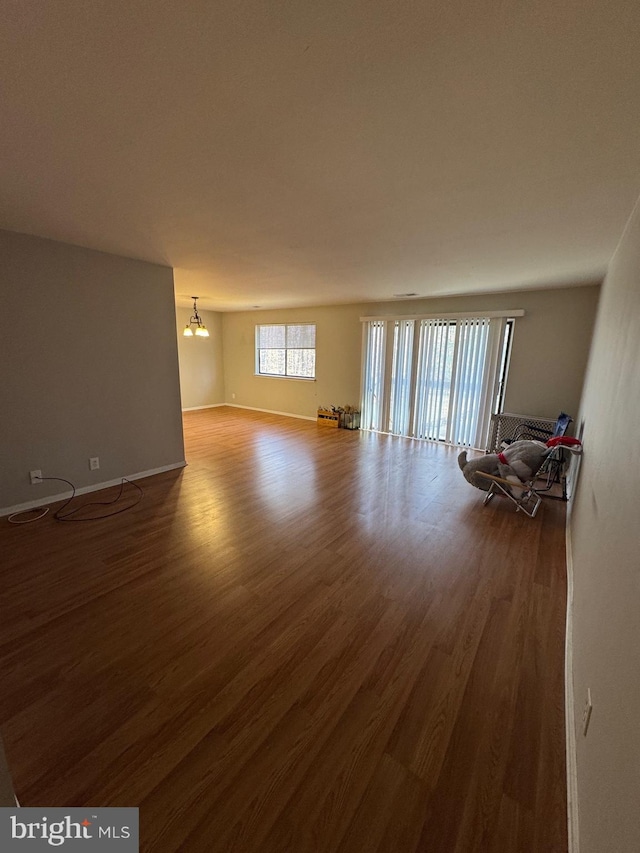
[279,153]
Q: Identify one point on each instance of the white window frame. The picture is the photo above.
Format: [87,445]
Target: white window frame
[285,375]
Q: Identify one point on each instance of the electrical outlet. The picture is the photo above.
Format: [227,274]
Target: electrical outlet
[35,477]
[94,463]
[233,396]
[586,714]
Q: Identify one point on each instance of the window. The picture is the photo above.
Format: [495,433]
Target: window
[434,377]
[286,350]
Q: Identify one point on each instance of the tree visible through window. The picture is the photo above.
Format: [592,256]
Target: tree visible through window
[286,350]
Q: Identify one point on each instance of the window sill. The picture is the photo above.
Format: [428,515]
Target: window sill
[293,378]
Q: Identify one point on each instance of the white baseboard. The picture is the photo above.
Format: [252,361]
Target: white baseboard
[83,490]
[569,704]
[198,408]
[272,412]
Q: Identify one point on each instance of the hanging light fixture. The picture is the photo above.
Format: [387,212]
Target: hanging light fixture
[195,320]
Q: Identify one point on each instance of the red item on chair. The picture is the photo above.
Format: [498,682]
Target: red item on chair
[565,441]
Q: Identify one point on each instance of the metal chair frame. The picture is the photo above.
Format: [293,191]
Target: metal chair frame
[530,498]
[529,493]
[531,431]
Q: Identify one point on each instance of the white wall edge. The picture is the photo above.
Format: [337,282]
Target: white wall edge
[272,412]
[569,710]
[210,406]
[83,490]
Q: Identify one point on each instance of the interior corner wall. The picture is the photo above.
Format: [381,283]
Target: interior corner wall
[201,361]
[89,367]
[548,361]
[606,566]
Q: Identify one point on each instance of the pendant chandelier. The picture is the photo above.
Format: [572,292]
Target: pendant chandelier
[196,320]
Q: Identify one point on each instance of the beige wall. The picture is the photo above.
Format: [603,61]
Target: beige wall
[201,361]
[550,350]
[89,367]
[606,567]
[338,348]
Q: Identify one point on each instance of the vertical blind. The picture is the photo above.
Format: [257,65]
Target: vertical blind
[433,378]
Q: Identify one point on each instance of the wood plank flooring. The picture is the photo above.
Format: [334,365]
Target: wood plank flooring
[307,640]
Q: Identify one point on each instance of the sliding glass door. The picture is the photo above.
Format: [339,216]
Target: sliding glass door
[434,378]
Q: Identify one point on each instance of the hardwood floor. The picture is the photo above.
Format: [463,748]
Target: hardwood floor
[307,640]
